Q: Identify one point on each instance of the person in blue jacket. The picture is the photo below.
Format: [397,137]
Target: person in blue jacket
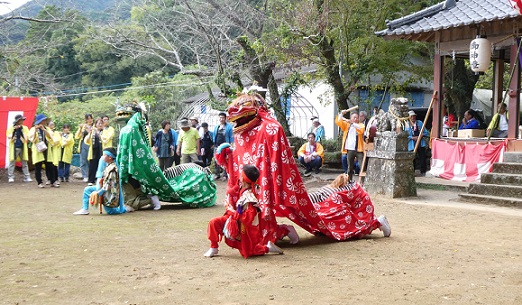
[470,120]
[108,185]
[414,132]
[222,134]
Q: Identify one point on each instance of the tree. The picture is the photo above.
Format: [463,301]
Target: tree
[459,83]
[44,60]
[338,36]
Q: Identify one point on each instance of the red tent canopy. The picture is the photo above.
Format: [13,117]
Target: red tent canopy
[9,108]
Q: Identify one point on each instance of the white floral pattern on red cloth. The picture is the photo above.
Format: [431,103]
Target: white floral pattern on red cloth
[282,193]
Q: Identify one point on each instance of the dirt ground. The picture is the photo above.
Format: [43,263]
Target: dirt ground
[440,252]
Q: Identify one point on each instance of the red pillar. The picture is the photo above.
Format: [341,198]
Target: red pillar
[438,83]
[514,94]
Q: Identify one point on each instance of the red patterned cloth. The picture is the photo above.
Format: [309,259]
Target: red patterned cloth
[517,5]
[344,215]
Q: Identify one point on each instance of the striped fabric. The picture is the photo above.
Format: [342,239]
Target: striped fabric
[177,170]
[325,192]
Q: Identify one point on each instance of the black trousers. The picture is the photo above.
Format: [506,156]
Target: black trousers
[420,160]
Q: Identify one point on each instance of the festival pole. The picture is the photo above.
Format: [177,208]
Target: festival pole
[419,138]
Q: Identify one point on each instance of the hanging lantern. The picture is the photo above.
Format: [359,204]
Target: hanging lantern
[479,55]
[517,5]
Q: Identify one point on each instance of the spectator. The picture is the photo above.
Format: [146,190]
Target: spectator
[107,134]
[448,121]
[194,121]
[175,135]
[207,145]
[41,155]
[413,129]
[17,136]
[56,149]
[470,120]
[93,139]
[188,143]
[67,143]
[83,130]
[317,129]
[311,155]
[363,118]
[164,145]
[223,133]
[375,111]
[498,127]
[353,144]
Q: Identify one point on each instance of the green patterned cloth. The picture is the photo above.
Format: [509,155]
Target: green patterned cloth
[192,188]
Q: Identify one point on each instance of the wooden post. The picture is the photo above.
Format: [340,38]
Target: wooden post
[419,138]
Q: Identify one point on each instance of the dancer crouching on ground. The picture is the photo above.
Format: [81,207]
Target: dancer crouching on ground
[107,186]
[240,224]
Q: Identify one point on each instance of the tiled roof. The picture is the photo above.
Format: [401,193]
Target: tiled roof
[450,14]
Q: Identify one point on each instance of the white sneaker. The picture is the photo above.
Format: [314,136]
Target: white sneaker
[85,179]
[90,184]
[81,212]
[292,234]
[273,248]
[28,179]
[47,182]
[11,180]
[385,226]
[41,185]
[55,184]
[211,252]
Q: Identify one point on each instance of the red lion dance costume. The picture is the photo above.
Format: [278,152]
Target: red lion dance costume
[260,140]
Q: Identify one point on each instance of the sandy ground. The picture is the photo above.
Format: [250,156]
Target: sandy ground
[440,252]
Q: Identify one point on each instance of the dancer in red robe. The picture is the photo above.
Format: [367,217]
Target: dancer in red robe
[260,140]
[240,225]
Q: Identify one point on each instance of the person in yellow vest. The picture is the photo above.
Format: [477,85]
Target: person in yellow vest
[66,145]
[93,139]
[41,136]
[17,137]
[107,134]
[498,128]
[56,149]
[83,149]
[311,155]
[353,144]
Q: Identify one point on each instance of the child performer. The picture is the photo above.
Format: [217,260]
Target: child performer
[240,224]
[67,144]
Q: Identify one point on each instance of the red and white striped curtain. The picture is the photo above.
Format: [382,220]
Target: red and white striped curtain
[464,161]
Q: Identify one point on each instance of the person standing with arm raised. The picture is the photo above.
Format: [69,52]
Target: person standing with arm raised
[353,144]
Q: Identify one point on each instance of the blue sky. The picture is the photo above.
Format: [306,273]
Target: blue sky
[7,6]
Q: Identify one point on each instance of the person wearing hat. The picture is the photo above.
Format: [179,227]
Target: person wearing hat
[317,129]
[188,142]
[194,121]
[414,127]
[107,186]
[41,137]
[17,136]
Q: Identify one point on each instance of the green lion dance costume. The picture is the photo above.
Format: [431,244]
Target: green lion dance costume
[193,187]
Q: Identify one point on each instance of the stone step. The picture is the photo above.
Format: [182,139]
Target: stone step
[496,200]
[495,190]
[507,168]
[501,179]
[513,157]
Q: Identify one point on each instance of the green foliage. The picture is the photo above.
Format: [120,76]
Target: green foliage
[163,93]
[332,145]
